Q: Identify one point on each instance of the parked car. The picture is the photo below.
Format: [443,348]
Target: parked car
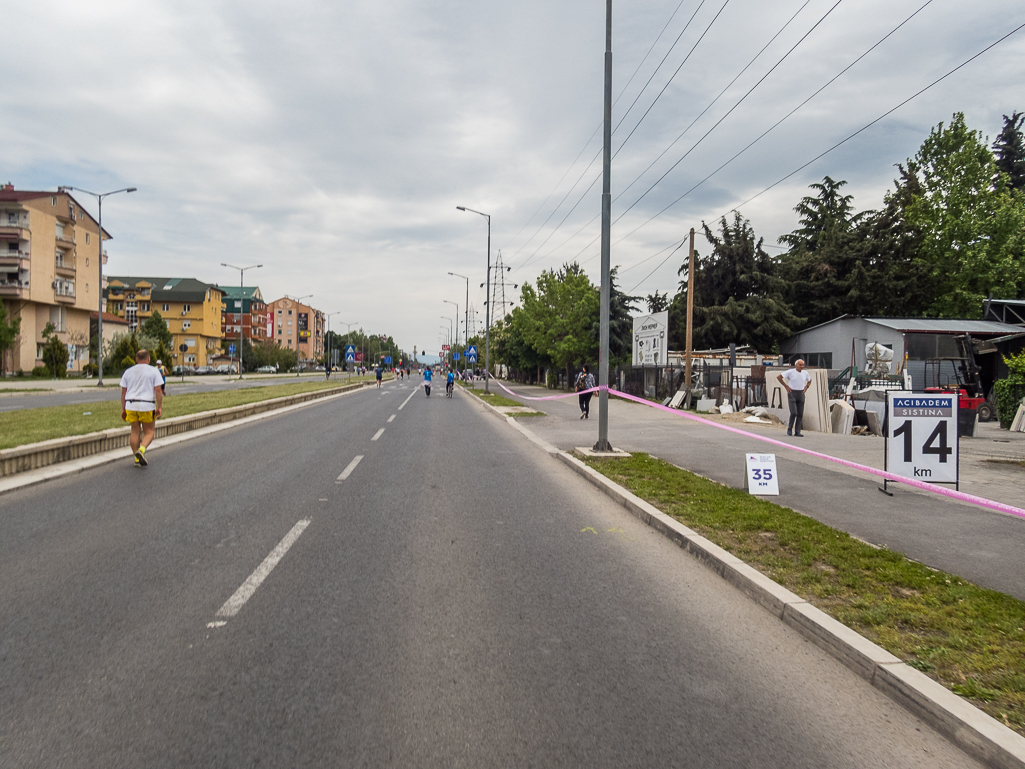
[184,370]
[224,368]
[266,370]
[205,370]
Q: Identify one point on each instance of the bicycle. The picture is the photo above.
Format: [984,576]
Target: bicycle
[449,389]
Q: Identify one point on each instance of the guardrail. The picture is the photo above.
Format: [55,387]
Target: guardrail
[33,456]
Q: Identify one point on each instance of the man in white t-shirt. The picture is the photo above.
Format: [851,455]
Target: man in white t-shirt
[797,381]
[141,403]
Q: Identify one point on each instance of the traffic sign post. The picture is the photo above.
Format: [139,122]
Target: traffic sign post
[923,430]
[471,354]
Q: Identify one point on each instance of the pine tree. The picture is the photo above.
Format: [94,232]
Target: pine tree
[1009,149]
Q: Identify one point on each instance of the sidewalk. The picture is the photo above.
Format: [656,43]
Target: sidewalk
[981,545]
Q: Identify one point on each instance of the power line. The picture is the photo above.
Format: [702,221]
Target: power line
[868,125]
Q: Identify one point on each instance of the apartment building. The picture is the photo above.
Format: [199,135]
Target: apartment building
[298,327]
[49,273]
[243,308]
[191,308]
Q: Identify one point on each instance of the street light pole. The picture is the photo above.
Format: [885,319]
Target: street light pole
[606,249]
[99,264]
[242,307]
[445,317]
[487,315]
[456,342]
[466,318]
[348,328]
[327,356]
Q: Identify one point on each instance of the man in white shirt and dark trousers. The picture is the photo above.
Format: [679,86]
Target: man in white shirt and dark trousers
[797,381]
[141,403]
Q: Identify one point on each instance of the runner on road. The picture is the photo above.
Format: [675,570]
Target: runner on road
[378,372]
[427,380]
[141,403]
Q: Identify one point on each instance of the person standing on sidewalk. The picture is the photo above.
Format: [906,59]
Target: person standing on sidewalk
[797,381]
[142,402]
[585,381]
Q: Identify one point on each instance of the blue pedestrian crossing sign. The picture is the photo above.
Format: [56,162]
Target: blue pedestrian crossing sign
[350,353]
[471,353]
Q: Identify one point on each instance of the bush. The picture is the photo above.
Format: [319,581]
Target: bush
[1010,391]
[40,372]
[90,369]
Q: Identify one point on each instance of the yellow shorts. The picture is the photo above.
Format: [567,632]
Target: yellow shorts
[140,416]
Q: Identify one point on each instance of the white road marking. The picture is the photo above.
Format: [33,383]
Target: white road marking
[407,399]
[391,418]
[378,434]
[218,623]
[348,470]
[245,592]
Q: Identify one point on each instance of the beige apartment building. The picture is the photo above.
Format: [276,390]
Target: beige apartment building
[190,307]
[49,273]
[298,327]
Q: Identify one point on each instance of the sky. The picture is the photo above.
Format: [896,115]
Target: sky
[332,142]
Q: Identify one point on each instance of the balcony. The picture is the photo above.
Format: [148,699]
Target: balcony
[15,289]
[14,232]
[19,259]
[64,293]
[66,240]
[65,268]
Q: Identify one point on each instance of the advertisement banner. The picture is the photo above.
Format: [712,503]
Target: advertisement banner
[651,339]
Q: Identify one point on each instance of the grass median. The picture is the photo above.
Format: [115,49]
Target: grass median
[24,426]
[492,398]
[970,639]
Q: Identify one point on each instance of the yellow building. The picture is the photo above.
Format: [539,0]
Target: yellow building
[191,309]
[49,273]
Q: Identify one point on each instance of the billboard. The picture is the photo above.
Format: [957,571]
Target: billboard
[651,339]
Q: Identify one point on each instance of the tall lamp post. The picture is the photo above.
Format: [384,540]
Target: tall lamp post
[327,361]
[99,265]
[241,307]
[487,315]
[445,317]
[466,316]
[456,342]
[603,444]
[348,328]
[298,299]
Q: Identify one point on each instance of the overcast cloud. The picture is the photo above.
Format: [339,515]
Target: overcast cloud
[331,142]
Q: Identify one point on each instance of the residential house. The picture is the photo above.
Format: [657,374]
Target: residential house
[49,273]
[191,308]
[298,327]
[245,312]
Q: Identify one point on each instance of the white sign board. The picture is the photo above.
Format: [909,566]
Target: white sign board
[762,479]
[651,339]
[921,436]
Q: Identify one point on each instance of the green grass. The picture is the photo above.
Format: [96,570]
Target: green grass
[970,639]
[25,390]
[23,426]
[492,398]
[528,414]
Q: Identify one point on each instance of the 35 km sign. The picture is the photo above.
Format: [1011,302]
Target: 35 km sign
[921,437]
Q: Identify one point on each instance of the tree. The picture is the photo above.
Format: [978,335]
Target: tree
[55,353]
[121,352]
[1010,151]
[973,231]
[620,322]
[825,275]
[9,331]
[657,302]
[738,295]
[154,327]
[558,316]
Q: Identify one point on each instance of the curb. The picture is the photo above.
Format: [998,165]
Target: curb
[978,734]
[77,465]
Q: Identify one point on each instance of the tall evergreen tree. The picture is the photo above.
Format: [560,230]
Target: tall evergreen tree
[621,308]
[657,302]
[738,294]
[1009,149]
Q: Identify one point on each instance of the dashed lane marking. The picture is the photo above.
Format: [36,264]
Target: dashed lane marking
[407,398]
[348,470]
[378,434]
[245,592]
[391,418]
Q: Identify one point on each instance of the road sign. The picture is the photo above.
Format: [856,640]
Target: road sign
[471,353]
[387,359]
[762,479]
[921,436]
[650,344]
[445,347]
[455,356]
[231,349]
[359,357]
[350,353]
[183,347]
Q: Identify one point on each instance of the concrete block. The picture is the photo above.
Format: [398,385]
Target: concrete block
[770,595]
[853,650]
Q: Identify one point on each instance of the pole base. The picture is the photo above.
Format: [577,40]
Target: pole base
[602,445]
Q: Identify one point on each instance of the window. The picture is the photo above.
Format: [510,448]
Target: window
[144,307]
[87,238]
[289,344]
[190,342]
[186,308]
[279,332]
[238,304]
[53,201]
[186,325]
[289,312]
[87,261]
[165,307]
[190,358]
[279,312]
[289,323]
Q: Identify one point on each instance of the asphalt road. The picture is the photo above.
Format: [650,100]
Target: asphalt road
[456,598]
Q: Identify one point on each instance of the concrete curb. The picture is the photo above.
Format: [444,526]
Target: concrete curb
[34,456]
[82,463]
[975,732]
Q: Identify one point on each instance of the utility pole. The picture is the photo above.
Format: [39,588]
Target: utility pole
[690,315]
[606,227]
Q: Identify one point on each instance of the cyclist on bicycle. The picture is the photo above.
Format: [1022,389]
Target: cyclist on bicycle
[450,384]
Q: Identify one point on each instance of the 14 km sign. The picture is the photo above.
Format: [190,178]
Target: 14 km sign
[921,436]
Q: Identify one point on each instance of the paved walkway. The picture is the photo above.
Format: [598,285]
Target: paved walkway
[979,544]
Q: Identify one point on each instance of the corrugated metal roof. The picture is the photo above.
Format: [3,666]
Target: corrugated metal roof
[946,326]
